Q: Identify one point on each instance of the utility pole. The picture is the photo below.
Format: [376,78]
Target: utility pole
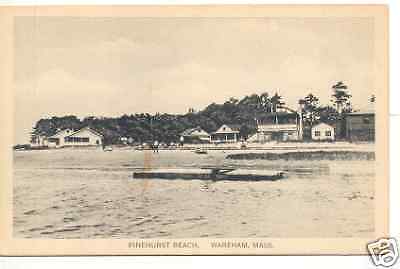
[300,124]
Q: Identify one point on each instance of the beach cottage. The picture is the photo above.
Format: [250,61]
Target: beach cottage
[322,131]
[195,135]
[226,134]
[278,126]
[83,137]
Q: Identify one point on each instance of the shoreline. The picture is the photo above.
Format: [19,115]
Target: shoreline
[273,146]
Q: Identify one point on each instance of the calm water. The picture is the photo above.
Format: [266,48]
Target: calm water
[90,194]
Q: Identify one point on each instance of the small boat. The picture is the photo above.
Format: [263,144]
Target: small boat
[200,151]
[108,149]
[209,173]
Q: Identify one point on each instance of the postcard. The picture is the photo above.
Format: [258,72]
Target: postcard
[193,130]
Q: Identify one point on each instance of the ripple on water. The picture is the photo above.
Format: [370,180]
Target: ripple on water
[69,219]
[31,212]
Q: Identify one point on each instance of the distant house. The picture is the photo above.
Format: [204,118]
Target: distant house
[360,125]
[322,131]
[279,126]
[195,135]
[38,141]
[83,137]
[227,133]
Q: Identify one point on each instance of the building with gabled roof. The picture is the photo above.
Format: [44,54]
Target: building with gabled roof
[322,132]
[194,135]
[82,137]
[227,133]
[278,126]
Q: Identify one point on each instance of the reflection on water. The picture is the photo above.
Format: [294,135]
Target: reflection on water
[91,194]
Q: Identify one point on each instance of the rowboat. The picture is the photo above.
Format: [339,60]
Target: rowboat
[209,174]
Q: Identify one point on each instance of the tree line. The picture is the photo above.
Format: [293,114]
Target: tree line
[145,127]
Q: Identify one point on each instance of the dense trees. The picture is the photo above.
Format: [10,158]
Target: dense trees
[276,102]
[165,127]
[310,109]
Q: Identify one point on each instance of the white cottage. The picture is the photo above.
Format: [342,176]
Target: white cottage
[83,137]
[226,134]
[322,131]
[195,135]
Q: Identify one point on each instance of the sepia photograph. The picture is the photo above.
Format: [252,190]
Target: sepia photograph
[202,127]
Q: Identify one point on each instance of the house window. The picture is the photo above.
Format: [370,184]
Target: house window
[328,133]
[317,133]
[366,120]
[76,139]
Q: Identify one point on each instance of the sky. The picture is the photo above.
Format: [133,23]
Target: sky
[113,66]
